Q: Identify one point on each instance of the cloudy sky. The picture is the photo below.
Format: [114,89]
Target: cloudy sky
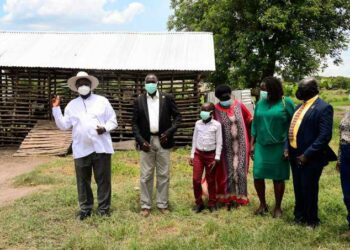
[101,15]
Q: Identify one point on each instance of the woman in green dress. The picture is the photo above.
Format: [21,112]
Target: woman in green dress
[269,135]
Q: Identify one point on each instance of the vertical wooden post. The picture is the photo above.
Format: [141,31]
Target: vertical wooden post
[49,95]
[31,89]
[172,83]
[196,89]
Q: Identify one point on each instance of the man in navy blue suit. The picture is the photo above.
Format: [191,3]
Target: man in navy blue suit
[309,135]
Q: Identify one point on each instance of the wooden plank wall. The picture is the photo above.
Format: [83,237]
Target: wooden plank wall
[25,96]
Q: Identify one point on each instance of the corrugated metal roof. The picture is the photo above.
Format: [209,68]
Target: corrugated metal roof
[180,51]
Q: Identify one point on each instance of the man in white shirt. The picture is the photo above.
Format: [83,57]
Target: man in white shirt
[92,118]
[155,121]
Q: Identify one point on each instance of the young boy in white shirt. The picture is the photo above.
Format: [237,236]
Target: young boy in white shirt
[205,154]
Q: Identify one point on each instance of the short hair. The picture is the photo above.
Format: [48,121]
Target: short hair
[313,86]
[151,74]
[221,90]
[274,88]
[210,104]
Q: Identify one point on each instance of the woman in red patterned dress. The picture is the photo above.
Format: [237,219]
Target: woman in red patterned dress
[231,173]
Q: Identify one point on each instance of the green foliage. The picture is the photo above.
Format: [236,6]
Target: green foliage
[258,38]
[338,82]
[289,89]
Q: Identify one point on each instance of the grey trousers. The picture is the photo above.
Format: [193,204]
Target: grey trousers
[100,164]
[159,159]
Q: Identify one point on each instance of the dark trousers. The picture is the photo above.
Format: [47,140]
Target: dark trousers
[202,161]
[305,181]
[100,164]
[345,176]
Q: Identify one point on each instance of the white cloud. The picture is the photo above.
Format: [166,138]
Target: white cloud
[342,70]
[59,14]
[116,17]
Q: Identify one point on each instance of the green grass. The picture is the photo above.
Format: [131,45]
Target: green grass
[46,220]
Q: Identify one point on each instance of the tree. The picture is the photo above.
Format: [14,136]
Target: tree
[258,38]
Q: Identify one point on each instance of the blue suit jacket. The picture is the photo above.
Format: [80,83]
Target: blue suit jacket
[315,133]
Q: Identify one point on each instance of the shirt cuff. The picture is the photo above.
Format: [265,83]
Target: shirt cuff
[109,126]
[217,157]
[56,111]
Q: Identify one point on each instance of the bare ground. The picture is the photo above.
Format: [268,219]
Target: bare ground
[10,167]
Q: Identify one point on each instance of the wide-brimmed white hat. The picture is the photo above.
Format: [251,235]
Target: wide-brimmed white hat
[72,81]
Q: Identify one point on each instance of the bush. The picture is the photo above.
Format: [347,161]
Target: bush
[338,82]
[289,89]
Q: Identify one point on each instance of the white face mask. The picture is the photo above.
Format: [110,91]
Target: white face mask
[263,94]
[84,90]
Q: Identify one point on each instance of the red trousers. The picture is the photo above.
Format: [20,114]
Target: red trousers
[201,161]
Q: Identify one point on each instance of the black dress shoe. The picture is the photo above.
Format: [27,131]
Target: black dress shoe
[212,209]
[104,213]
[199,208]
[82,215]
[299,220]
[313,225]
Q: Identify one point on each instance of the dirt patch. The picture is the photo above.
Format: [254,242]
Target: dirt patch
[11,167]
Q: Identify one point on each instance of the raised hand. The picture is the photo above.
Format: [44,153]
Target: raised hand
[56,101]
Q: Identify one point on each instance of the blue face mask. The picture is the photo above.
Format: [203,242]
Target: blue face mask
[263,94]
[151,87]
[226,103]
[205,115]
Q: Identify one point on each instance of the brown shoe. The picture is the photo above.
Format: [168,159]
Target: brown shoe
[346,235]
[164,210]
[145,212]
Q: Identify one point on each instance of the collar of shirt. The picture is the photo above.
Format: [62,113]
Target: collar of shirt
[155,96]
[91,96]
[210,122]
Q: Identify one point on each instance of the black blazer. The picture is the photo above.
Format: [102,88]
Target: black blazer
[315,133]
[169,119]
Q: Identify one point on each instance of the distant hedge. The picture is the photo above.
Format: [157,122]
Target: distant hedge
[338,82]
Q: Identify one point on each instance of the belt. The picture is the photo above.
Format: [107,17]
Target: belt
[155,134]
[208,152]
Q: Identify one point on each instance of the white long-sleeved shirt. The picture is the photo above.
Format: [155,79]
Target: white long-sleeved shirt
[153,112]
[207,137]
[83,115]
